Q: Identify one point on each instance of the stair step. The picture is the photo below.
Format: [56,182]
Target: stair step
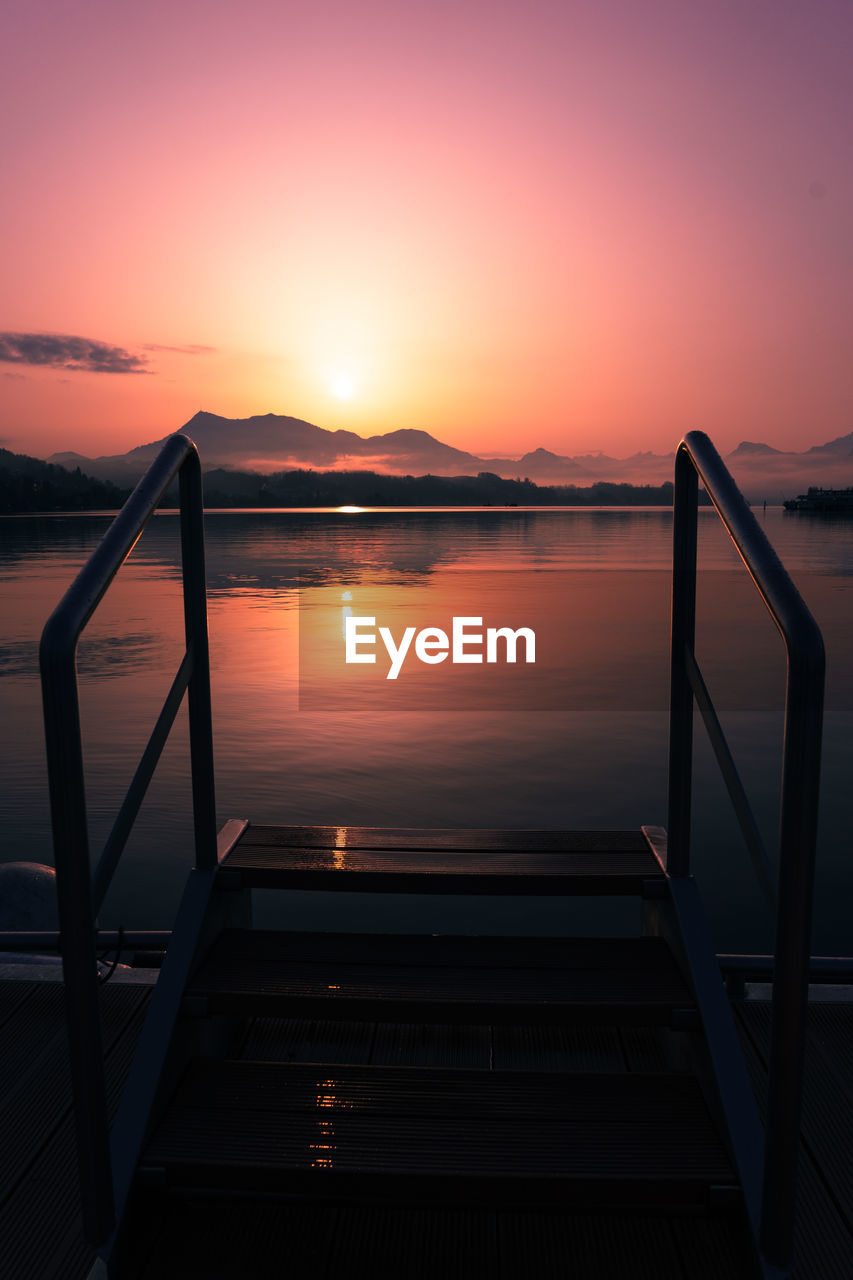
[413,860]
[631,981]
[198,1238]
[411,1135]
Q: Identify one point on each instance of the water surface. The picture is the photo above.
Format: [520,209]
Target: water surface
[579,740]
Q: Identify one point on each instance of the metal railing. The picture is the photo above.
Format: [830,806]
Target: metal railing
[697,458]
[80,891]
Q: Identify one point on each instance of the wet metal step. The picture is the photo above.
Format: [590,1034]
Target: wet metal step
[413,860]
[439,1136]
[629,981]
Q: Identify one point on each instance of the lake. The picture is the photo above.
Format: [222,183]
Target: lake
[575,739]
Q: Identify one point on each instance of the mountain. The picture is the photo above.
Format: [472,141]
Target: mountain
[767,474]
[269,443]
[541,462]
[842,446]
[752,448]
[645,467]
[69,460]
[273,442]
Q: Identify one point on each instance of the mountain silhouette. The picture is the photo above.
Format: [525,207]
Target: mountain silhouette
[842,445]
[751,448]
[269,443]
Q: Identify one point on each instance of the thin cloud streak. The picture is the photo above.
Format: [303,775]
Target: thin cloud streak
[191,349]
[62,351]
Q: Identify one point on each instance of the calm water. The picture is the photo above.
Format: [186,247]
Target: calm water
[578,739]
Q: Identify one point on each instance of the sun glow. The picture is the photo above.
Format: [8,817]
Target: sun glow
[342,386]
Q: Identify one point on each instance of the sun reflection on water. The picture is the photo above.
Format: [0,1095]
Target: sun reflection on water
[327,1099]
[339,856]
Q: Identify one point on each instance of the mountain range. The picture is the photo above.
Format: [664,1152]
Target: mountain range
[268,443]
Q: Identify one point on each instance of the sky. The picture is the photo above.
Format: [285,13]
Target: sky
[571,225]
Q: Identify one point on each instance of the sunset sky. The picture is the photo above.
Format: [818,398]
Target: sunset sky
[577,225]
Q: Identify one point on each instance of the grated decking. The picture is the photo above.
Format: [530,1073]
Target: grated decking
[428,1105]
[443,978]
[196,1238]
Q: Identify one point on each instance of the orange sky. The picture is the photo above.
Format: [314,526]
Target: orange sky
[577,225]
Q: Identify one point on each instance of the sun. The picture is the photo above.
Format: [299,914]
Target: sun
[342,386]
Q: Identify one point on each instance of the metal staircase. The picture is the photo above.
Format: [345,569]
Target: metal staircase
[583,1142]
[659,1160]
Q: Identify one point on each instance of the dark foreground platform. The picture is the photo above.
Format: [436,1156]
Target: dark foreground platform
[40,1231]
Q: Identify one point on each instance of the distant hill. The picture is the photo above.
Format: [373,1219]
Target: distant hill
[842,445]
[28,484]
[266,443]
[68,460]
[270,443]
[541,462]
[753,448]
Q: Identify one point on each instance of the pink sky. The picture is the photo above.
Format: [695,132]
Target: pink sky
[582,226]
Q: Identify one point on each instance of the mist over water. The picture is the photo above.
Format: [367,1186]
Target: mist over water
[579,740]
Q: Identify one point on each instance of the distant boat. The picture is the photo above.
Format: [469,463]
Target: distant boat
[832,501]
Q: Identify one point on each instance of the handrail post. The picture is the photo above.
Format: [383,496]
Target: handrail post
[797,849]
[798,809]
[66,783]
[684,521]
[77,934]
[198,690]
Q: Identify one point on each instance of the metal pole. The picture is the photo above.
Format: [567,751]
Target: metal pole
[797,842]
[684,526]
[797,847]
[198,691]
[58,661]
[77,931]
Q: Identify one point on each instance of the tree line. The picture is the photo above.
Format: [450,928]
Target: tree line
[29,484]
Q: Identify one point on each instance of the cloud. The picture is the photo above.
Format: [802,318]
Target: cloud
[191,349]
[60,351]
[16,377]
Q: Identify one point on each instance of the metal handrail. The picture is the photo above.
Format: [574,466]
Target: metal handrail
[79,893]
[697,458]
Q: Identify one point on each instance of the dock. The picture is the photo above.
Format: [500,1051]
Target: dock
[463,1106]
